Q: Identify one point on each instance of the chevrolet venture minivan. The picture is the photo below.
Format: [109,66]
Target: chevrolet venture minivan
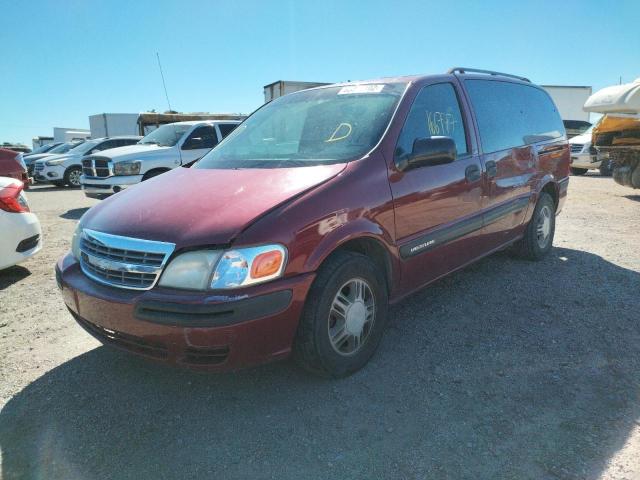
[295,233]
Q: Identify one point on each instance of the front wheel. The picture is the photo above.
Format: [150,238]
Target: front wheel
[72,177]
[605,168]
[538,236]
[344,316]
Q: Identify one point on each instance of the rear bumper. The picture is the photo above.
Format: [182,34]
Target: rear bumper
[103,187]
[200,330]
[21,238]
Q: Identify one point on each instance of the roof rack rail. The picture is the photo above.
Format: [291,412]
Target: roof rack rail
[488,72]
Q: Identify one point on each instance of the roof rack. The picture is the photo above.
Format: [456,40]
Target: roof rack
[488,72]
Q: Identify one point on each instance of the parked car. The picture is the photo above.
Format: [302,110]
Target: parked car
[66,169]
[31,159]
[585,157]
[20,228]
[12,165]
[43,148]
[324,206]
[16,147]
[167,147]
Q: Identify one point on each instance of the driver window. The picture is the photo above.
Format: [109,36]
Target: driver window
[435,112]
[201,137]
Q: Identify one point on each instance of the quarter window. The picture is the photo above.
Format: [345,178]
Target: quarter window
[512,115]
[435,113]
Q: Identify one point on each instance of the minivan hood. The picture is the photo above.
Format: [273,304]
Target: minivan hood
[137,150]
[199,207]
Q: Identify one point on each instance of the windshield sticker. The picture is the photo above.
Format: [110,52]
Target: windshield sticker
[440,123]
[341,132]
[360,89]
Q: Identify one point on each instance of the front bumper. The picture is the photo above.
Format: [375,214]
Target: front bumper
[201,330]
[97,187]
[585,160]
[54,173]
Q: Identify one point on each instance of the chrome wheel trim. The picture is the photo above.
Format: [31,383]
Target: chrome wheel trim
[543,226]
[74,177]
[351,317]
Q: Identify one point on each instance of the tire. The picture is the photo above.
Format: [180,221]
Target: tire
[152,173]
[72,177]
[578,171]
[538,238]
[336,285]
[605,168]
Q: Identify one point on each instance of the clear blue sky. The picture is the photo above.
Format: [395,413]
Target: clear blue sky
[65,60]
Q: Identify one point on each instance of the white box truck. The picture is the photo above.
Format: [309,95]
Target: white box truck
[112,124]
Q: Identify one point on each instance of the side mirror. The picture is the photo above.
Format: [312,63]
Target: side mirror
[430,151]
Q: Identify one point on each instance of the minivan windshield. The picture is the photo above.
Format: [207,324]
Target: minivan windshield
[166,135]
[311,127]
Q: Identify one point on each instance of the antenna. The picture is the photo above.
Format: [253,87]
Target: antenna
[163,82]
[168,103]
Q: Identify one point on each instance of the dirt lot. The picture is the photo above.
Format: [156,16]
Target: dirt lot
[507,369]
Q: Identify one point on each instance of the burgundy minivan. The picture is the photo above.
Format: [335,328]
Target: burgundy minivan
[294,234]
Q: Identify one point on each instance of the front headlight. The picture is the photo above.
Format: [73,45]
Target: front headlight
[75,242]
[211,269]
[126,168]
[51,163]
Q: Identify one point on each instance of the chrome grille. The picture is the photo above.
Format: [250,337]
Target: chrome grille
[97,167]
[576,147]
[123,261]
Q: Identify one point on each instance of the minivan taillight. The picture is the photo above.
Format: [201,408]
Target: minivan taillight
[12,200]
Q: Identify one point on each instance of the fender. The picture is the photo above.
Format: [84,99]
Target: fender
[359,228]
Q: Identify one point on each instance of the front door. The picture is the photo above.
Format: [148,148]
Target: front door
[437,208]
[198,143]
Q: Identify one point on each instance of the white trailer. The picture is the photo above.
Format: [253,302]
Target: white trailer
[112,124]
[61,134]
[283,87]
[570,100]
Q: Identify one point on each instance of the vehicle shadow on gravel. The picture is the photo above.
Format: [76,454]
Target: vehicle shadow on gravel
[74,213]
[12,275]
[508,369]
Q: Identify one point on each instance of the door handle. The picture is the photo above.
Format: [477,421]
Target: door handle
[492,168]
[472,173]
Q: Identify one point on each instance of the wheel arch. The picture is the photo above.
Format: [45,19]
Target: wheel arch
[157,170]
[370,241]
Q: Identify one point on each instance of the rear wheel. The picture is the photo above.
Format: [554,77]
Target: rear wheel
[344,316]
[578,171]
[605,168]
[72,176]
[538,236]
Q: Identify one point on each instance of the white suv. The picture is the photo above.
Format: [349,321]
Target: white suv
[66,169]
[165,148]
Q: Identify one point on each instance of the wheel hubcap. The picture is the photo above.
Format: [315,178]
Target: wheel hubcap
[543,226]
[74,178]
[351,317]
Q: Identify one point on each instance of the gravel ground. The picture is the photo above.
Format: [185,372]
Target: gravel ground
[505,370]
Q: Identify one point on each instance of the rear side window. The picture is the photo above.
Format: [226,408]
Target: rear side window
[434,112]
[226,128]
[512,115]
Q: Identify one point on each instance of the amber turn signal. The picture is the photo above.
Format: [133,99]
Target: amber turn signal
[266,264]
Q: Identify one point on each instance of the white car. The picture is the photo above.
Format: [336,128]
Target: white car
[167,147]
[66,169]
[584,156]
[20,233]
